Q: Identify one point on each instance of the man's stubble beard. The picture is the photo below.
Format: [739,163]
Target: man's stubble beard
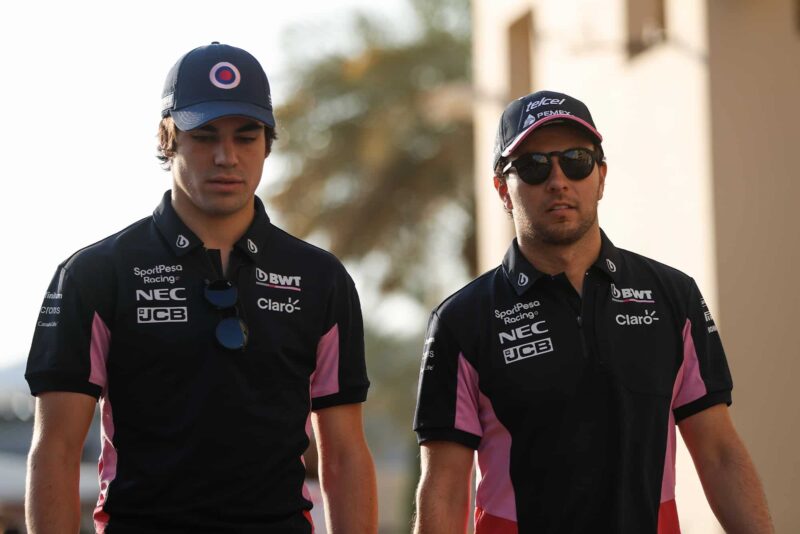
[560,236]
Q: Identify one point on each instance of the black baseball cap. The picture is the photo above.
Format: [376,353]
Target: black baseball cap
[526,114]
[216,81]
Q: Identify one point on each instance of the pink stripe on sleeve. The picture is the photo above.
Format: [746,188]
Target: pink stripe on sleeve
[467,398]
[692,386]
[495,493]
[688,387]
[98,351]
[668,479]
[325,378]
[107,465]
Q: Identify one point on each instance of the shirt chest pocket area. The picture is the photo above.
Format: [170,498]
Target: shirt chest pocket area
[643,351]
[283,343]
[538,362]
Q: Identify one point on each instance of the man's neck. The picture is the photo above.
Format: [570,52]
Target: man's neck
[573,259]
[216,231]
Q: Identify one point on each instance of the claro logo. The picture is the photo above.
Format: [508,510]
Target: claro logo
[290,306]
[647,319]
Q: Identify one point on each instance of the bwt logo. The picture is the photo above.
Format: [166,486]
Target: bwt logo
[161,294]
[627,294]
[278,281]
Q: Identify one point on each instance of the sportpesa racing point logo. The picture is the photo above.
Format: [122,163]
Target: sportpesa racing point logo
[225,75]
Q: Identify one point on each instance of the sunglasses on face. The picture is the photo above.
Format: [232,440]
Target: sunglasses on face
[534,168]
[231,332]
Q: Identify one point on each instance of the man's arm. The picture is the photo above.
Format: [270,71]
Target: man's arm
[443,492]
[52,499]
[726,471]
[347,474]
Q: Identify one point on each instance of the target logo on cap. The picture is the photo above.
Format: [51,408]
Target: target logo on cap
[225,75]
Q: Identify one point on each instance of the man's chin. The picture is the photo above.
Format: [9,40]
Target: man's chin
[561,236]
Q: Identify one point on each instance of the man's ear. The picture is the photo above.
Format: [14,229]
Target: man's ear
[603,168]
[501,187]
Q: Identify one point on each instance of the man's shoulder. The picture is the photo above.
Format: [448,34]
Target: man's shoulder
[644,268]
[102,253]
[470,297]
[298,251]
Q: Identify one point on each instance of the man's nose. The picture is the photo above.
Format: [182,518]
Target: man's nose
[225,153]
[556,180]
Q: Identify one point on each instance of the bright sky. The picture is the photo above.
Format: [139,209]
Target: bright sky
[81,93]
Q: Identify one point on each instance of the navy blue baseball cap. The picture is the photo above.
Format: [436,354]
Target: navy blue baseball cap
[216,81]
[542,108]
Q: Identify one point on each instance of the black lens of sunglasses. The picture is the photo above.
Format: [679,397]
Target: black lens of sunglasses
[221,294]
[231,332]
[534,168]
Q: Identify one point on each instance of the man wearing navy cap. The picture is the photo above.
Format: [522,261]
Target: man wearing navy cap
[566,369]
[213,341]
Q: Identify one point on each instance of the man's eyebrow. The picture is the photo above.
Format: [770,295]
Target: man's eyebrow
[250,126]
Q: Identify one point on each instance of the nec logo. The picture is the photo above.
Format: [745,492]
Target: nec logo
[277,281]
[161,295]
[524,331]
[627,294]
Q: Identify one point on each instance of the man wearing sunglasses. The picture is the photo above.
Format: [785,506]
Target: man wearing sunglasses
[568,367]
[212,339]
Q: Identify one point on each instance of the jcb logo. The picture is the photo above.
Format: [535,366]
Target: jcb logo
[169,314]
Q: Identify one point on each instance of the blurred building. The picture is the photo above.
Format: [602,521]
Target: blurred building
[698,104]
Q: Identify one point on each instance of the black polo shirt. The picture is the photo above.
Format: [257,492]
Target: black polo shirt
[571,401]
[197,437]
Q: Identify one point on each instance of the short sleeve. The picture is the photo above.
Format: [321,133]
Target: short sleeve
[448,395]
[340,376]
[70,342]
[705,379]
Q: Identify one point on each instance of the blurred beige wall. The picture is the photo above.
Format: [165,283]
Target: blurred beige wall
[689,97]
[755,132]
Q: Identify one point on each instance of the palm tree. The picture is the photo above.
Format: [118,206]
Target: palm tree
[380,150]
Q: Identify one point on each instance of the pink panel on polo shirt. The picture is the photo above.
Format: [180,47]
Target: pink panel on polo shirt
[99,346]
[668,479]
[98,351]
[692,386]
[467,398]
[107,466]
[688,387]
[325,378]
[495,493]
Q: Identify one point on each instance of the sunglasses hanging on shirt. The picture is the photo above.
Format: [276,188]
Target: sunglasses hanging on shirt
[231,331]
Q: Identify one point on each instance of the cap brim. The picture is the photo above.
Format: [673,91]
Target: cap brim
[544,122]
[195,116]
